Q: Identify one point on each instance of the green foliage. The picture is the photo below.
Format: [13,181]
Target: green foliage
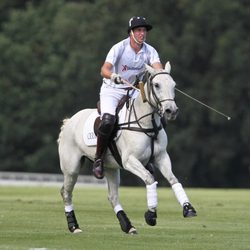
[211,48]
[51,54]
[42,76]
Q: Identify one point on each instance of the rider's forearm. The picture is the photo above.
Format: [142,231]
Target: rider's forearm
[106,70]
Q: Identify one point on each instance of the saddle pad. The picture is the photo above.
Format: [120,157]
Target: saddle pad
[89,136]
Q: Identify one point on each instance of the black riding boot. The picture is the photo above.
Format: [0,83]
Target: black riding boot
[104,132]
[100,151]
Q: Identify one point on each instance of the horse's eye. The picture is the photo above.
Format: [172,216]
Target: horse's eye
[157,85]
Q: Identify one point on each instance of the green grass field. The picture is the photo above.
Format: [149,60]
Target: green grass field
[33,218]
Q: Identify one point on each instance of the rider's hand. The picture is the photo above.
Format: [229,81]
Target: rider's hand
[116,78]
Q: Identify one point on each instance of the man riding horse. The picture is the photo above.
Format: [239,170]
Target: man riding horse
[125,60]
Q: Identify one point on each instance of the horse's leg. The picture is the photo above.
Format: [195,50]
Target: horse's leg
[70,165]
[165,166]
[113,180]
[134,166]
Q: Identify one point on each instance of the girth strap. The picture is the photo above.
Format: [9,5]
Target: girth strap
[144,130]
[113,148]
[153,138]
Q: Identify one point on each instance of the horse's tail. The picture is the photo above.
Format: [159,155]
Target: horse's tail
[61,129]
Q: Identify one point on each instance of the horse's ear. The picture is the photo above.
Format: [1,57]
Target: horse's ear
[168,67]
[149,69]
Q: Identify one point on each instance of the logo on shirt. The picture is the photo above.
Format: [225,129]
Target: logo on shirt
[126,68]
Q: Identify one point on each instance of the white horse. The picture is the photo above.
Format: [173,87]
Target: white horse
[142,142]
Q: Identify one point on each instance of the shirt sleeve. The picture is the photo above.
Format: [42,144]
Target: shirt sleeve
[153,55]
[113,54]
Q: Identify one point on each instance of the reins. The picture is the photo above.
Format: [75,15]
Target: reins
[155,105]
[156,109]
[155,129]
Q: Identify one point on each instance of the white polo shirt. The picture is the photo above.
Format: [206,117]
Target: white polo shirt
[129,64]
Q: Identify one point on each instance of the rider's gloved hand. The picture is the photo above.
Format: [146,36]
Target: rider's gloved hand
[116,78]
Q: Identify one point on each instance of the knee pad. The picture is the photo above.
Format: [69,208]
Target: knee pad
[107,124]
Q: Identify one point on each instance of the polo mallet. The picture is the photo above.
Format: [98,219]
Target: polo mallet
[203,104]
[141,87]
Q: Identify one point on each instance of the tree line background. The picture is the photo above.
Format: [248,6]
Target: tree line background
[50,58]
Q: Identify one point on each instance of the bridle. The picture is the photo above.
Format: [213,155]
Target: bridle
[157,107]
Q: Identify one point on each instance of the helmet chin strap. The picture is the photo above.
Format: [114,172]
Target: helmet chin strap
[136,39]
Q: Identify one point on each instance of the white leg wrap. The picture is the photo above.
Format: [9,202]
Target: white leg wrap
[69,208]
[118,208]
[152,196]
[180,193]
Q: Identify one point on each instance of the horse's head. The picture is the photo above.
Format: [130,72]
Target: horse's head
[161,91]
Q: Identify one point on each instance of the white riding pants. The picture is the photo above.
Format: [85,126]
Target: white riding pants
[110,97]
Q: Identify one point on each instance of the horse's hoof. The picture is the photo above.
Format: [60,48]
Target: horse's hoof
[150,217]
[77,230]
[188,210]
[132,231]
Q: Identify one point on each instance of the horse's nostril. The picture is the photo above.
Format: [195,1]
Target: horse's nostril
[168,111]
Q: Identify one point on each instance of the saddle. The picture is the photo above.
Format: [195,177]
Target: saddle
[121,103]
